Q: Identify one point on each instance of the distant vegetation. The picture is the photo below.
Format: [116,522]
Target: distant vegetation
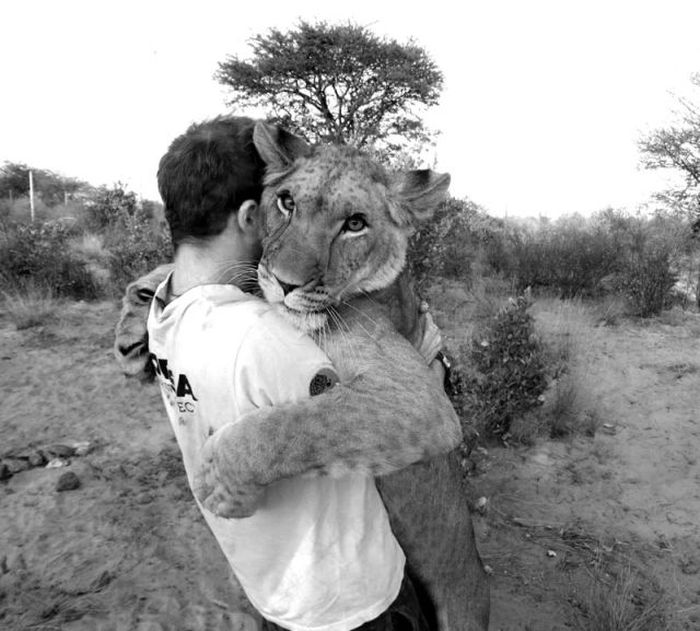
[85,242]
[622,264]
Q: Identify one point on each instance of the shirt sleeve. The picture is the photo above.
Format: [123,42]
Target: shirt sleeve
[278,364]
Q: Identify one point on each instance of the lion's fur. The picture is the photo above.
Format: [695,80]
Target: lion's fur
[426,502]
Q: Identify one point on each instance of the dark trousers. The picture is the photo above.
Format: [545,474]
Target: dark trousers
[404,614]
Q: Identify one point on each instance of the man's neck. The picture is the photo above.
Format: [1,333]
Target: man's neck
[208,264]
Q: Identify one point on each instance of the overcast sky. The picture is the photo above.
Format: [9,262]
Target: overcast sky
[543,105]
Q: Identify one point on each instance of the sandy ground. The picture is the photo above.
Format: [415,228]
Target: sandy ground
[128,550]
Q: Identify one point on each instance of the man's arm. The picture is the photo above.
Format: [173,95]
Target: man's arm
[386,413]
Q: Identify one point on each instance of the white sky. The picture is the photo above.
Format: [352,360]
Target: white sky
[542,108]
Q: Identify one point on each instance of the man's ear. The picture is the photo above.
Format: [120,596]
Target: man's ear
[418,194]
[248,218]
[276,146]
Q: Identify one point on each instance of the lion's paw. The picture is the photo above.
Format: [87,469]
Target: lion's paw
[220,492]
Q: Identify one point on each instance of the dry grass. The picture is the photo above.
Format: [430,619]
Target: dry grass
[610,310]
[32,305]
[568,328]
[625,601]
[89,248]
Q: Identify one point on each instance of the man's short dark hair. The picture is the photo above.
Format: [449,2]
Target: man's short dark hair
[206,174]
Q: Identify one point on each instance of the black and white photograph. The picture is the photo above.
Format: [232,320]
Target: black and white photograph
[374,316]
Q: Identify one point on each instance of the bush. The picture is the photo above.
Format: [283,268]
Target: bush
[40,253]
[611,252]
[108,206]
[136,247]
[503,370]
[450,244]
[571,257]
[30,306]
[647,280]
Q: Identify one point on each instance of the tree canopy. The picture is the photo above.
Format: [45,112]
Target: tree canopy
[49,186]
[337,83]
[678,147]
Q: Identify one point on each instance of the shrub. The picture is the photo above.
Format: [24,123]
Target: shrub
[30,306]
[136,246]
[88,248]
[450,244]
[647,280]
[571,257]
[619,600]
[40,253]
[504,372]
[108,206]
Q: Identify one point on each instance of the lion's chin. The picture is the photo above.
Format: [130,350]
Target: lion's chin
[309,322]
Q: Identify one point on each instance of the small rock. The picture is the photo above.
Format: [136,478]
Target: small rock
[82,448]
[56,463]
[68,482]
[481,505]
[690,566]
[60,451]
[37,458]
[483,451]
[551,554]
[489,570]
[5,473]
[16,465]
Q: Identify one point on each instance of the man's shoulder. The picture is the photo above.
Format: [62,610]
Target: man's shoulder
[282,360]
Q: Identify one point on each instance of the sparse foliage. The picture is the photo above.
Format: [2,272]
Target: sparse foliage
[112,240]
[503,368]
[453,240]
[40,253]
[34,304]
[51,188]
[677,147]
[611,253]
[337,83]
[110,205]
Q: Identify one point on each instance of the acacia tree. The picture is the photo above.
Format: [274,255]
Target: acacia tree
[337,83]
[678,147]
[49,186]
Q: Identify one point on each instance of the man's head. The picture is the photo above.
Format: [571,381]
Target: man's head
[207,174]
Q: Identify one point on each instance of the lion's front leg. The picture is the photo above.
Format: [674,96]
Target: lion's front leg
[131,334]
[385,414]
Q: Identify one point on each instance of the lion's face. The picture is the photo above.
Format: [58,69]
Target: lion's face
[337,226]
[330,234]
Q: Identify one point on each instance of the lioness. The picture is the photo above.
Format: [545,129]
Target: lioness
[335,287]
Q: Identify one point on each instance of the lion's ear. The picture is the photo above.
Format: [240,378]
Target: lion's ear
[276,146]
[419,193]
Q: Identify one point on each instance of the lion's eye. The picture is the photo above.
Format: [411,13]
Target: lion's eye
[355,223]
[285,202]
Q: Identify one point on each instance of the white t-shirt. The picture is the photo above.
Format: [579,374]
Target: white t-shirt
[319,554]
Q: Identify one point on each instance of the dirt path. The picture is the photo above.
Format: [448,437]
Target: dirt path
[128,550]
[628,497]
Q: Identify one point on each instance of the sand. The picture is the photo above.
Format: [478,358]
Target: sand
[129,550]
